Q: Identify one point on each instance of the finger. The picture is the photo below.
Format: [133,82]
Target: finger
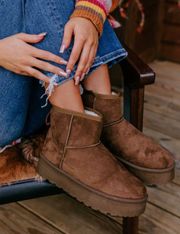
[37,74]
[68,33]
[89,63]
[91,59]
[82,63]
[30,38]
[75,54]
[48,67]
[46,55]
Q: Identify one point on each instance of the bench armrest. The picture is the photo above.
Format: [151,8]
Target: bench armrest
[136,73]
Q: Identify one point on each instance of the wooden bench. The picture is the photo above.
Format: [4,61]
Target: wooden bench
[136,76]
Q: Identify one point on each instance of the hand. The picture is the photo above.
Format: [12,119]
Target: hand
[84,48]
[21,58]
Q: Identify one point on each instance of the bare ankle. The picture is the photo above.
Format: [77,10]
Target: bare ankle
[67,96]
[99,81]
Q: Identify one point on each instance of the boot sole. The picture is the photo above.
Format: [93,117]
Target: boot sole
[109,205]
[150,176]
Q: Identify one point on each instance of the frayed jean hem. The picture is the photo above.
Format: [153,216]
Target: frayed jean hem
[56,80]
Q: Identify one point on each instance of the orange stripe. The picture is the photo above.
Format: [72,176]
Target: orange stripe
[92,6]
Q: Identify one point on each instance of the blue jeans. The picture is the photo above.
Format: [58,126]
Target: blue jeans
[20,103]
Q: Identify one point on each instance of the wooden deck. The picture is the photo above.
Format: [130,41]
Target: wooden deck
[62,214]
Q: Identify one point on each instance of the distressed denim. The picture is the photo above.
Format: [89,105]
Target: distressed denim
[20,100]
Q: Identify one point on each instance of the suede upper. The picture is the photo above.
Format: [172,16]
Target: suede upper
[73,145]
[136,147]
[105,104]
[122,138]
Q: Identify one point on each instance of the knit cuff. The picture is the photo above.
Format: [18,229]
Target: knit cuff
[93,10]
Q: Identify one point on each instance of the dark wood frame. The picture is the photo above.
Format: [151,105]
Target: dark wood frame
[136,75]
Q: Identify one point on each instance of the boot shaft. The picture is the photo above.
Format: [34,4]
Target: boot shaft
[69,129]
[110,106]
[75,129]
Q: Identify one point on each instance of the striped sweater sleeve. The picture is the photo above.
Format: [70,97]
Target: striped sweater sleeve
[94,10]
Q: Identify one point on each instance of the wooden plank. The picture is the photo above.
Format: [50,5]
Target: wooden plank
[167,109]
[166,68]
[168,80]
[66,219]
[162,124]
[171,188]
[168,98]
[156,221]
[16,220]
[70,216]
[166,199]
[164,85]
[164,92]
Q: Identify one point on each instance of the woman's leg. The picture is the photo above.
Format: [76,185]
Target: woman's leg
[14,90]
[67,96]
[99,81]
[14,101]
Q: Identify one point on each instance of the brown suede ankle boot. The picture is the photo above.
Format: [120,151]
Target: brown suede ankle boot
[142,155]
[75,160]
